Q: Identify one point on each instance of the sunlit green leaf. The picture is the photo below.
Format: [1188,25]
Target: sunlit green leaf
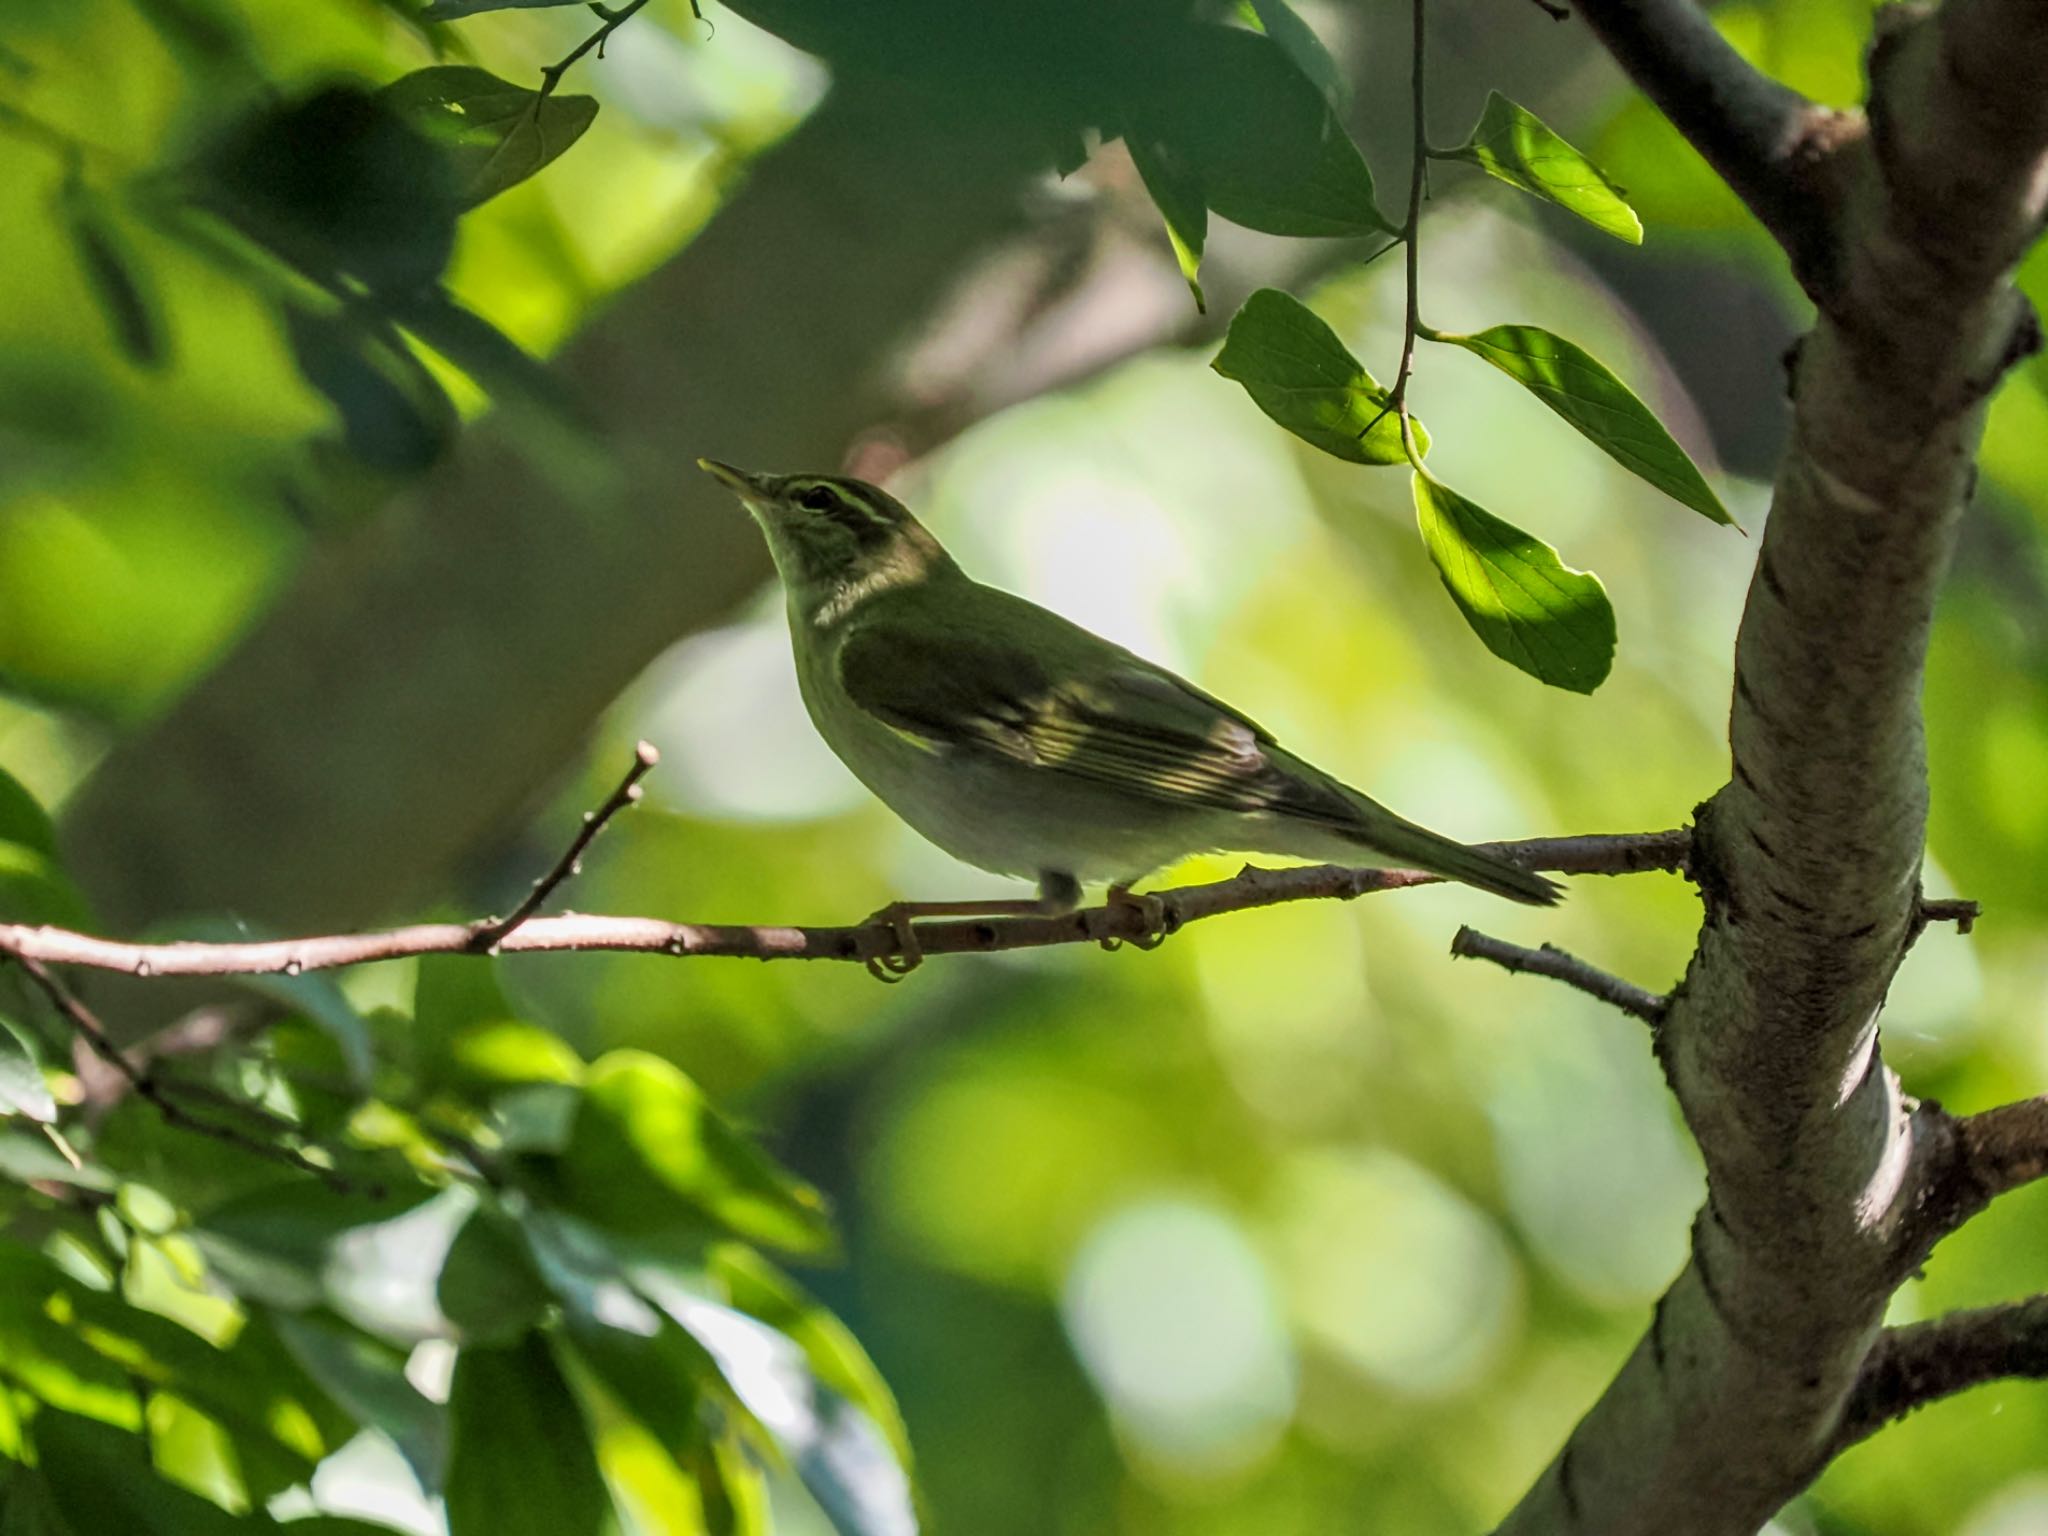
[494,134]
[649,1155]
[520,1461]
[1513,144]
[34,890]
[1581,389]
[512,1051]
[1298,173]
[493,360]
[1528,607]
[22,1088]
[1293,366]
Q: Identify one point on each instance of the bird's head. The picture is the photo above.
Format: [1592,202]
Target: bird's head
[835,540]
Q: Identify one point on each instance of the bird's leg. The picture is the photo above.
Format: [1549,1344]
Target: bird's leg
[1057,893]
[1152,914]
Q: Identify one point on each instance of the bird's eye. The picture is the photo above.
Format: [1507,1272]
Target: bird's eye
[818,498]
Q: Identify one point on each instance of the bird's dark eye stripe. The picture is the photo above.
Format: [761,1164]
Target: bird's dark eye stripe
[830,501]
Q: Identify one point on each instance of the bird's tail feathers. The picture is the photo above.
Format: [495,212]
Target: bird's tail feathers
[1420,848]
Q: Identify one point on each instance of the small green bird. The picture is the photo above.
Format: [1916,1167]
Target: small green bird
[1021,743]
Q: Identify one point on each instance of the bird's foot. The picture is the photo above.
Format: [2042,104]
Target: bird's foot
[891,950]
[1155,918]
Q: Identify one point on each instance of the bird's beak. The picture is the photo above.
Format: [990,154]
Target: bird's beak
[748,485]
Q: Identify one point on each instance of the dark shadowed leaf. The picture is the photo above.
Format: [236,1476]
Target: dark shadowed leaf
[1177,193]
[1581,389]
[520,1461]
[1529,608]
[1268,152]
[493,134]
[488,1286]
[1297,39]
[1299,373]
[1514,145]
[278,1244]
[23,819]
[133,313]
[339,181]
[394,417]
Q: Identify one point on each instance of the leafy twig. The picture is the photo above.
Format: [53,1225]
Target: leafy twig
[89,1029]
[613,19]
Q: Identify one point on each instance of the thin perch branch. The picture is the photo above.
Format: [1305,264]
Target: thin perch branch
[1624,853]
[490,934]
[2004,1148]
[1918,1364]
[1558,965]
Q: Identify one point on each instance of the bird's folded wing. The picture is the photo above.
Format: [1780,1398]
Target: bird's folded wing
[1124,725]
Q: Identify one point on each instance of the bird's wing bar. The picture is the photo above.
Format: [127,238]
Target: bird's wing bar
[1132,728]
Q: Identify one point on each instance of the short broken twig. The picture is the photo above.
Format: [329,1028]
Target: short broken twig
[490,933]
[1548,960]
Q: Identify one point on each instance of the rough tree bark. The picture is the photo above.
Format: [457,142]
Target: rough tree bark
[1827,1184]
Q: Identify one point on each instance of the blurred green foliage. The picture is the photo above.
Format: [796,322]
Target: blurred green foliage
[1287,1227]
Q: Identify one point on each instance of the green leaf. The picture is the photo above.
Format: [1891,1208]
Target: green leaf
[1581,389]
[1297,371]
[836,1358]
[494,361]
[494,134]
[34,890]
[488,1287]
[649,1156]
[455,10]
[1528,607]
[1177,193]
[22,1089]
[1297,39]
[132,310]
[656,1370]
[1514,145]
[337,180]
[520,1461]
[836,1450]
[23,819]
[366,1376]
[1295,173]
[278,1244]
[395,417]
